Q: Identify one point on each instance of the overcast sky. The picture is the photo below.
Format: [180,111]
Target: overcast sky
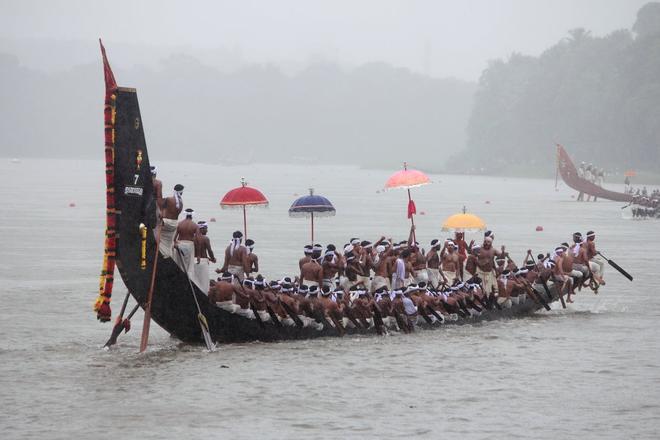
[441,38]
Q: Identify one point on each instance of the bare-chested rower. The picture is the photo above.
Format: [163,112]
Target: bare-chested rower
[330,268]
[308,256]
[172,207]
[158,188]
[252,265]
[311,273]
[380,267]
[184,246]
[450,262]
[433,263]
[223,292]
[235,257]
[486,266]
[596,263]
[203,254]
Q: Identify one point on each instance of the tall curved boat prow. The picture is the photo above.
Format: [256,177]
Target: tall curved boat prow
[570,176]
[132,208]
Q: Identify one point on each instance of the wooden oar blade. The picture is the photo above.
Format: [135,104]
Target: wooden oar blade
[617,267]
[205,332]
[620,269]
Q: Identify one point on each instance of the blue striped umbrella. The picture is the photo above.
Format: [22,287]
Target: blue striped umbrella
[312,206]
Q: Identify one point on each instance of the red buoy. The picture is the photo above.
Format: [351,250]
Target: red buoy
[539,228]
[72,205]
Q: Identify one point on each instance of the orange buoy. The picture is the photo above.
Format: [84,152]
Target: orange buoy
[539,228]
[212,219]
[72,205]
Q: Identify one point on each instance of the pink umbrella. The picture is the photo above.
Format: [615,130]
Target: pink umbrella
[242,197]
[408,179]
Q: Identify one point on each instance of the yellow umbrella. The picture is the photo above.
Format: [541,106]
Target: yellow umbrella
[464,222]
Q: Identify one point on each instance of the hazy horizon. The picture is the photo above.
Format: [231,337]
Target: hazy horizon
[439,39]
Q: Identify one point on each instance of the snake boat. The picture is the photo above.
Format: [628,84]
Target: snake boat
[130,246]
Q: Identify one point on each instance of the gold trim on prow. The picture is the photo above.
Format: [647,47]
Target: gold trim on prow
[127,89]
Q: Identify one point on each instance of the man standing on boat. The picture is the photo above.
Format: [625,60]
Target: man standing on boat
[171,208]
[308,256]
[203,254]
[581,175]
[158,188]
[486,266]
[235,258]
[450,261]
[433,264]
[252,265]
[400,274]
[184,248]
[311,273]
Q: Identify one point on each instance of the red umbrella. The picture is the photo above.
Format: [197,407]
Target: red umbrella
[408,179]
[242,197]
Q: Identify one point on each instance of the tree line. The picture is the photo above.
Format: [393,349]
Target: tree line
[597,96]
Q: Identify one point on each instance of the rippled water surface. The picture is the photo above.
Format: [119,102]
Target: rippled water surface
[590,371]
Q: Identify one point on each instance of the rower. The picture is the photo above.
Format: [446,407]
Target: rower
[505,287]
[311,273]
[330,267]
[172,207]
[235,258]
[409,306]
[462,250]
[486,265]
[433,264]
[450,261]
[158,188]
[596,263]
[308,256]
[418,262]
[471,262]
[380,267]
[565,282]
[184,243]
[223,292]
[203,254]
[252,260]
[399,276]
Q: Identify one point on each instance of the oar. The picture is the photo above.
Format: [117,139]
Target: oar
[119,320]
[435,313]
[203,324]
[120,326]
[147,308]
[547,290]
[378,319]
[257,316]
[292,314]
[273,316]
[537,299]
[617,267]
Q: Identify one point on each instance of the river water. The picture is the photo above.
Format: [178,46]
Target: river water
[590,371]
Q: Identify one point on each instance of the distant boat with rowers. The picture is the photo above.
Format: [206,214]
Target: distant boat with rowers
[177,303]
[569,175]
